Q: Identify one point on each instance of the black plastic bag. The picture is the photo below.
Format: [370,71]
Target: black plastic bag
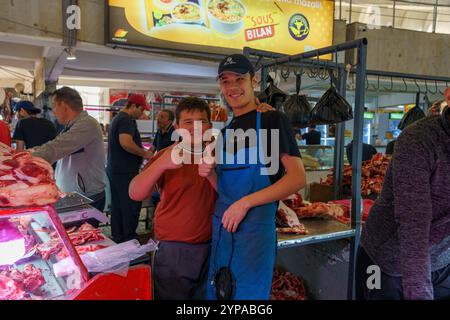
[272,95]
[297,108]
[410,117]
[331,108]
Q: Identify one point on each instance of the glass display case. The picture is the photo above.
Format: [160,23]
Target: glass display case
[32,242]
[317,157]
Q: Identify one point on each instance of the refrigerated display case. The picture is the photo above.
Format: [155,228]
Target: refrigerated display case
[40,260]
[30,240]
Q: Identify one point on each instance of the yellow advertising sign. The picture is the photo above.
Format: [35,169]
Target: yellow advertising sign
[283,26]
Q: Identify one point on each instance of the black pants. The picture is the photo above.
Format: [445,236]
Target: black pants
[99,201]
[180,271]
[124,211]
[391,287]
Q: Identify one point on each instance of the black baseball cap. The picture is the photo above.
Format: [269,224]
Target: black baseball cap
[236,63]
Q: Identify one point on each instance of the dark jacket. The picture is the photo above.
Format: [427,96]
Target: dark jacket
[407,232]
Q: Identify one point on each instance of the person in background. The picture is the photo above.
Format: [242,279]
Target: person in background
[390,147]
[7,107]
[31,131]
[107,129]
[103,128]
[163,139]
[184,216]
[436,108]
[312,137]
[125,155]
[447,98]
[407,233]
[367,153]
[78,149]
[5,133]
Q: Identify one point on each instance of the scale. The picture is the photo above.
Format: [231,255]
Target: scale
[76,207]
[72,200]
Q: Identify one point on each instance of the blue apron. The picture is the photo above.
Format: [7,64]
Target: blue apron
[250,251]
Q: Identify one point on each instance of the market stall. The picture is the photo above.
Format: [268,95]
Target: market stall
[50,250]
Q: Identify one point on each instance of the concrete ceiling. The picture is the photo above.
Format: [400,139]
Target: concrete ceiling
[106,67]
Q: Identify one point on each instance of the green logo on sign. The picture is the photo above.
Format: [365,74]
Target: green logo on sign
[298,27]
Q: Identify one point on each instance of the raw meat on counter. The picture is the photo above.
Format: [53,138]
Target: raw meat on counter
[372,176]
[81,250]
[321,210]
[22,223]
[346,205]
[304,209]
[286,286]
[25,180]
[17,285]
[289,221]
[338,210]
[10,290]
[49,248]
[85,233]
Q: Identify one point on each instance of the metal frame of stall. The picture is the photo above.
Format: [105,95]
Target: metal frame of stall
[339,146]
[305,59]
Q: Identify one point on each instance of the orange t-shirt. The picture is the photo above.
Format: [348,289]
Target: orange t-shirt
[185,211]
[5,134]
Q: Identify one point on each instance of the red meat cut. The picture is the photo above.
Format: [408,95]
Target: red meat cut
[25,180]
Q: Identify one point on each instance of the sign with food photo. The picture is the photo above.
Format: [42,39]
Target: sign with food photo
[284,26]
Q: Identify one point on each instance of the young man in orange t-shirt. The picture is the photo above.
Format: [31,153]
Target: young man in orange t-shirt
[183,218]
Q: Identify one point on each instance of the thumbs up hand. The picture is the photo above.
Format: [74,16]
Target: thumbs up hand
[207,163]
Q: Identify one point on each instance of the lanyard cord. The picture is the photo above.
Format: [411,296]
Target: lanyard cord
[217,245]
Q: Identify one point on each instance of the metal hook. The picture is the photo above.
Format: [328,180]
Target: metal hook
[336,64]
[426,87]
[439,90]
[428,90]
[392,86]
[374,88]
[367,82]
[298,71]
[435,87]
[418,87]
[406,86]
[257,62]
[315,71]
[323,74]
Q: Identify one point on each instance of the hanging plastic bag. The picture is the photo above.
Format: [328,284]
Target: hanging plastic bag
[297,108]
[412,115]
[272,95]
[331,108]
